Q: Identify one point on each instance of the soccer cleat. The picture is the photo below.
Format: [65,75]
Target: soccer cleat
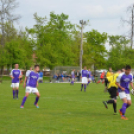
[124,117]
[36,105]
[105,104]
[120,112]
[21,106]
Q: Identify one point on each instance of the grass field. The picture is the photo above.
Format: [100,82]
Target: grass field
[63,110]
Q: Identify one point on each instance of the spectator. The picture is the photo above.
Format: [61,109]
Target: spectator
[40,80]
[78,75]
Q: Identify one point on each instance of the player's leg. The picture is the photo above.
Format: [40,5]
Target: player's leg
[24,100]
[17,90]
[37,99]
[122,111]
[85,86]
[82,86]
[13,87]
[129,102]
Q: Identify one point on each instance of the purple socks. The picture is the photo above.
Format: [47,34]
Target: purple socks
[36,100]
[13,93]
[123,109]
[23,101]
[85,86]
[17,91]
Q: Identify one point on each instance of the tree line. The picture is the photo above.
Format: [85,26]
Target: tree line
[55,41]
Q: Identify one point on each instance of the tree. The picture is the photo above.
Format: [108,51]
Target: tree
[94,49]
[130,21]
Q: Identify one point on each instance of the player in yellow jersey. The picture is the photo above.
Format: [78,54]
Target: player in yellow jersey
[112,89]
[110,72]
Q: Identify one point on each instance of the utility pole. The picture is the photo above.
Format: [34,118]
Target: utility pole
[81,47]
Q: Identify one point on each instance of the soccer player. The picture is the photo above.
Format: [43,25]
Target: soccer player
[15,75]
[84,74]
[73,77]
[27,72]
[123,81]
[110,72]
[89,76]
[102,77]
[31,84]
[112,89]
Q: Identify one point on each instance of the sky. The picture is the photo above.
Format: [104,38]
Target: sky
[104,15]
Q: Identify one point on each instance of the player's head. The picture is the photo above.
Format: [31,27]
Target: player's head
[123,69]
[119,71]
[127,69]
[36,68]
[110,69]
[31,68]
[85,68]
[16,66]
[89,69]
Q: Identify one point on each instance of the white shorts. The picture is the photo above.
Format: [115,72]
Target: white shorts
[84,80]
[40,78]
[15,85]
[31,90]
[89,79]
[124,95]
[72,79]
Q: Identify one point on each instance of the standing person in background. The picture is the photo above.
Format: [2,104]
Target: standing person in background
[73,77]
[89,76]
[40,77]
[78,74]
[62,77]
[15,75]
[84,75]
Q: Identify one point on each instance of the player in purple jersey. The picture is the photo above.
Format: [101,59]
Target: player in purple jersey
[73,77]
[31,84]
[27,72]
[89,76]
[123,81]
[84,75]
[15,75]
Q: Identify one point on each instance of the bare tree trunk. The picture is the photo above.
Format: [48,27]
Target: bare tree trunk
[132,29]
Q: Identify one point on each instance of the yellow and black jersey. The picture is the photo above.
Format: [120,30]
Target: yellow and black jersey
[112,80]
[109,74]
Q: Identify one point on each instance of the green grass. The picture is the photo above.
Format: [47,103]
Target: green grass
[63,110]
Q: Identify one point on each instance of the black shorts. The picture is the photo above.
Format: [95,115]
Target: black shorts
[113,92]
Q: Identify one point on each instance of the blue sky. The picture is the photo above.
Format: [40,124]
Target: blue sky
[104,15]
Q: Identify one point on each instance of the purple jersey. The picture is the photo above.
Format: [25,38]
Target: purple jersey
[124,81]
[15,73]
[32,79]
[84,73]
[72,74]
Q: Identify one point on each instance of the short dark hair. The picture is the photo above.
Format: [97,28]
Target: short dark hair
[127,67]
[36,66]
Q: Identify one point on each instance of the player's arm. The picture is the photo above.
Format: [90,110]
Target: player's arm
[37,84]
[25,82]
[131,84]
[20,76]
[11,74]
[118,82]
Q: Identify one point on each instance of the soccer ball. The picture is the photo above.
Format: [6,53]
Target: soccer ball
[132,91]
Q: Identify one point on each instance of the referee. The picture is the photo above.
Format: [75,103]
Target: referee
[112,89]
